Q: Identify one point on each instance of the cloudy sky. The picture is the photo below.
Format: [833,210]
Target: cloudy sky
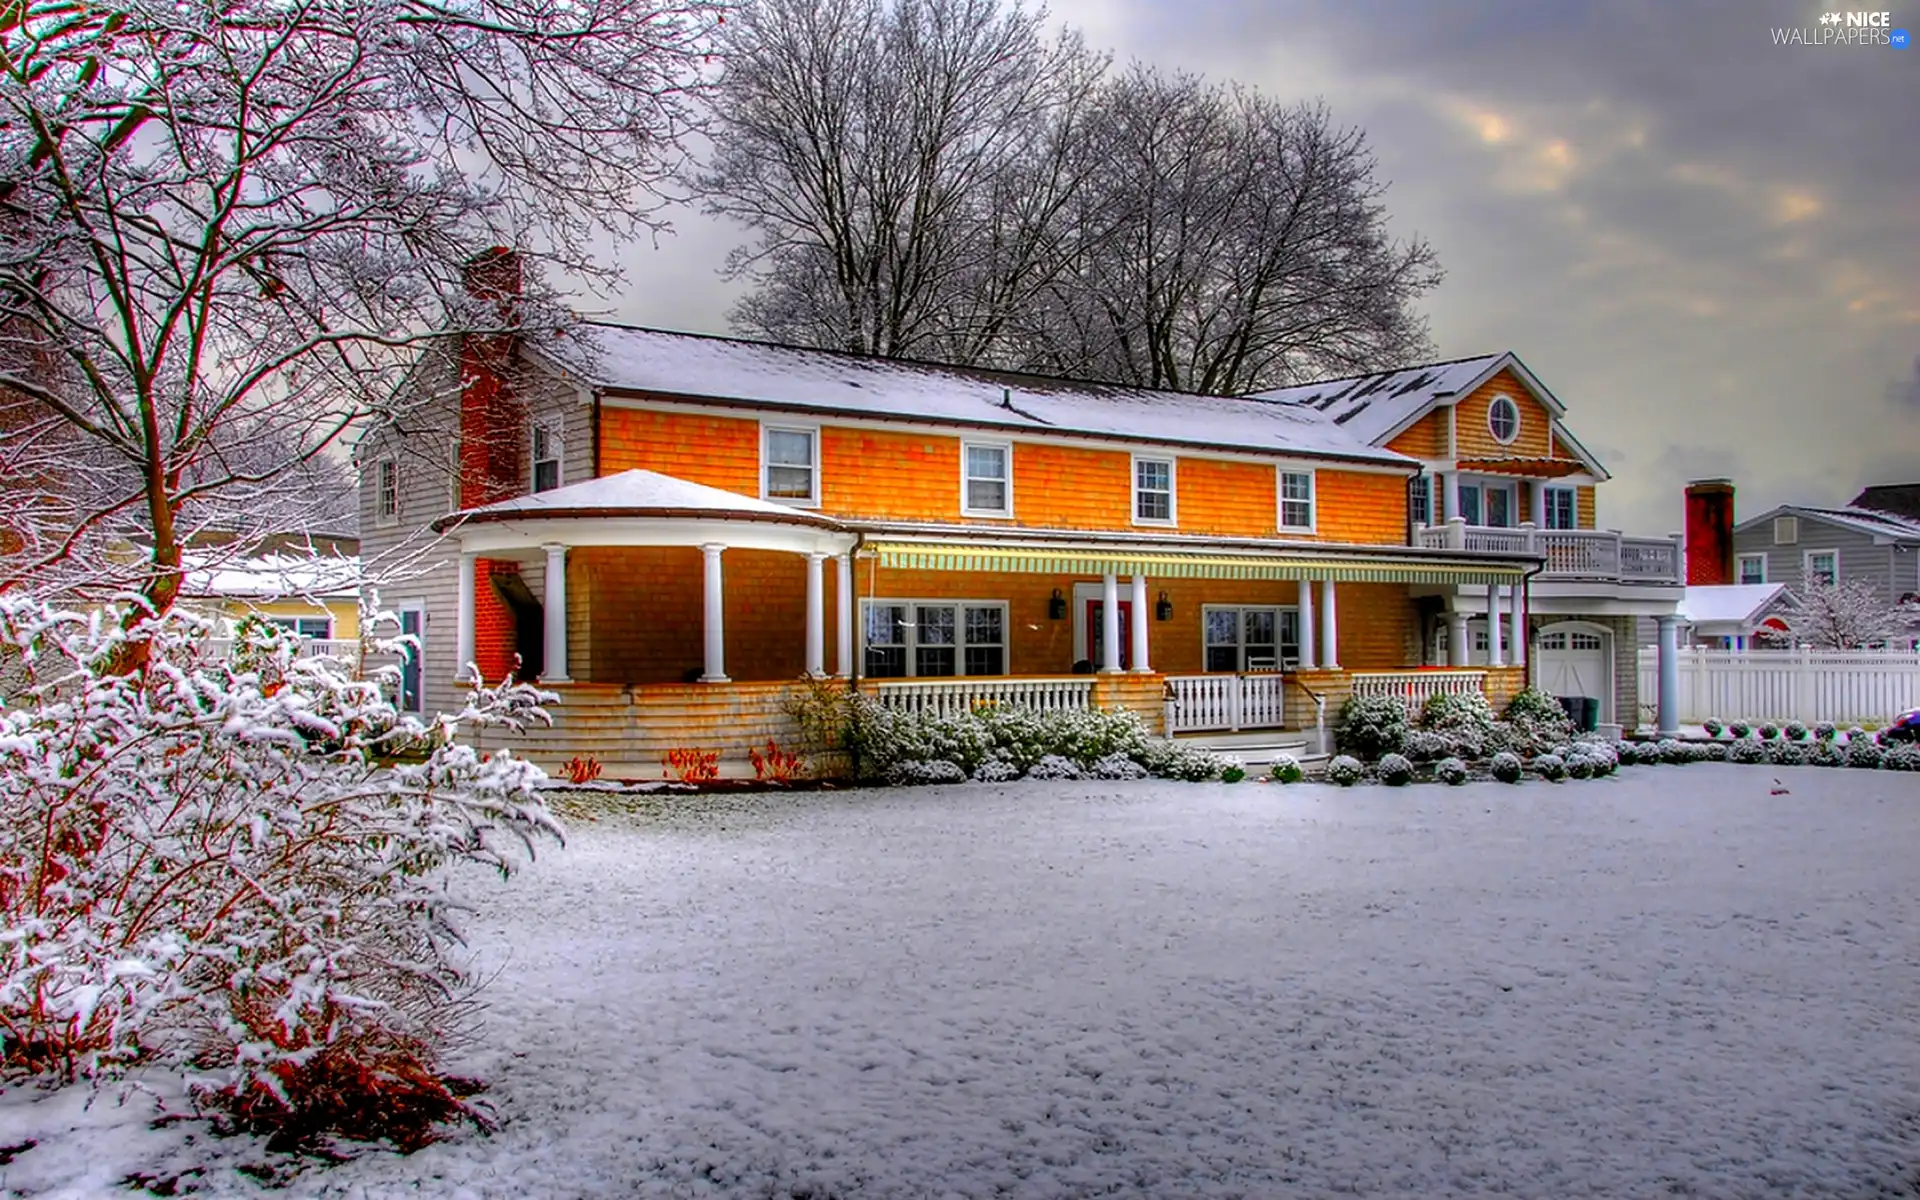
[1707,244]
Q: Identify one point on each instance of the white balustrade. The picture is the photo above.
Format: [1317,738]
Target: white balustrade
[945,697]
[1570,553]
[309,647]
[1416,687]
[1844,687]
[1256,700]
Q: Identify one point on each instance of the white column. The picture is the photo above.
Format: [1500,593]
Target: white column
[1307,631]
[716,638]
[1140,621]
[816,615]
[1495,657]
[1537,502]
[1668,707]
[1329,628]
[1452,491]
[844,617]
[555,609]
[1517,622]
[463,615]
[1110,623]
[1457,649]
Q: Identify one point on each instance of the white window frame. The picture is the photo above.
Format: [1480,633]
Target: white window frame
[292,625]
[1494,404]
[1173,489]
[1480,485]
[1806,565]
[453,473]
[960,607]
[1280,500]
[1281,663]
[1547,507]
[1740,562]
[417,609]
[1006,451]
[383,468]
[557,456]
[812,433]
[1425,488]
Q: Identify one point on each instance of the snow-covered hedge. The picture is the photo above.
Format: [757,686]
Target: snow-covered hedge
[1450,771]
[1903,757]
[1795,731]
[1286,769]
[1865,753]
[1784,753]
[1825,730]
[1394,770]
[1535,723]
[1739,729]
[1056,766]
[1550,766]
[1345,770]
[996,770]
[916,771]
[1117,766]
[1714,726]
[1746,750]
[1507,767]
[1371,726]
[217,862]
[1824,753]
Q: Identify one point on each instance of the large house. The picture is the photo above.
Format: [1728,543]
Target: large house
[673,530]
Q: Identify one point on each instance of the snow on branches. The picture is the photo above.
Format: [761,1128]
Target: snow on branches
[1848,616]
[235,865]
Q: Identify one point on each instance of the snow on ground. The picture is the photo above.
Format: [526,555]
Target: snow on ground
[1667,983]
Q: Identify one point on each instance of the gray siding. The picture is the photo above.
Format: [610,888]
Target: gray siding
[1891,569]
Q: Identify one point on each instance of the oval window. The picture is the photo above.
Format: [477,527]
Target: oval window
[1503,419]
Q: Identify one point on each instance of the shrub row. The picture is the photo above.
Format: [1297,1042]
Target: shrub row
[1000,743]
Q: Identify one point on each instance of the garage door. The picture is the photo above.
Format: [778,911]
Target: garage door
[1575,662]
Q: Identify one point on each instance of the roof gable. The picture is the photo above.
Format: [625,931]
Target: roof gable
[1877,525]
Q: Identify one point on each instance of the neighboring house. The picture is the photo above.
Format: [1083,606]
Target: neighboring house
[307,584]
[673,529]
[1795,544]
[1731,616]
[1501,471]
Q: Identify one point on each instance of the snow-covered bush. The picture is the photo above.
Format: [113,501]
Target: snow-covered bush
[1903,757]
[1769,731]
[1507,767]
[1625,753]
[1286,769]
[1675,752]
[1825,730]
[1551,767]
[1855,733]
[221,863]
[1825,754]
[1464,716]
[996,770]
[1746,750]
[1865,753]
[1232,771]
[1168,759]
[882,738]
[1345,770]
[1783,753]
[1450,771]
[1117,766]
[916,771]
[1795,731]
[1714,726]
[1536,723]
[1597,753]
[1371,726]
[1394,770]
[1714,751]
[1056,766]
[1427,745]
[1739,729]
[1580,766]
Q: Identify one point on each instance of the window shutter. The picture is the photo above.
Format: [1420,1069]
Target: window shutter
[1786,530]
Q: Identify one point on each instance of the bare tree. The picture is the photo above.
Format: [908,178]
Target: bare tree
[227,229]
[937,180]
[897,164]
[1849,616]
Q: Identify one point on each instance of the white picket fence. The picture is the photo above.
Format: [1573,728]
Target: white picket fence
[944,697]
[1225,702]
[1841,686]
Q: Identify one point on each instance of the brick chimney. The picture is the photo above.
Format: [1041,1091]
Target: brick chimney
[491,431]
[1710,531]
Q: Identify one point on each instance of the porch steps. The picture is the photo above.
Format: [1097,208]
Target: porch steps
[1258,748]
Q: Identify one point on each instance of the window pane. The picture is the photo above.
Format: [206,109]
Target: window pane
[986,462]
[985,626]
[1223,627]
[1260,624]
[1753,570]
[886,625]
[314,627]
[1290,635]
[1154,506]
[1420,500]
[1499,512]
[985,495]
[933,660]
[1223,658]
[1152,475]
[935,625]
[1296,485]
[546,475]
[986,660]
[886,662]
[790,483]
[1470,504]
[790,447]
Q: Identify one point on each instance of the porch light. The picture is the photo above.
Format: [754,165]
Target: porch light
[1056,606]
[1164,609]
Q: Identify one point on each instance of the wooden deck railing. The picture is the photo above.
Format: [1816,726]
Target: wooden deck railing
[1417,687]
[944,697]
[1225,702]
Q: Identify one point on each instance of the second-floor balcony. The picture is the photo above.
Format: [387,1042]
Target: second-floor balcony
[1602,555]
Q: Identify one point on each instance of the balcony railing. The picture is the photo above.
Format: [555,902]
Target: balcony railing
[1594,554]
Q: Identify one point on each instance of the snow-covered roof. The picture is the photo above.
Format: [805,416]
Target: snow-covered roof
[1878,525]
[1373,407]
[638,493]
[1732,603]
[622,358]
[273,576]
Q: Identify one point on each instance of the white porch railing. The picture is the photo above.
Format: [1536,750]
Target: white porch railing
[1416,687]
[1230,702]
[309,647]
[1841,686]
[1570,553]
[944,697]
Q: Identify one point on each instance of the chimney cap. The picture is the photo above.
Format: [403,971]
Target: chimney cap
[1709,483]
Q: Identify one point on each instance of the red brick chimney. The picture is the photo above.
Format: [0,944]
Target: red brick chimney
[492,442]
[1710,531]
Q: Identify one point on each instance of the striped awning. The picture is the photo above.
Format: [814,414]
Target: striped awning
[1047,560]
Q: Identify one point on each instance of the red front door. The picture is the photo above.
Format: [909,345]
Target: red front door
[1097,633]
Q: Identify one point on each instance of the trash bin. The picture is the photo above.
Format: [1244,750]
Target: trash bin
[1571,706]
[1589,719]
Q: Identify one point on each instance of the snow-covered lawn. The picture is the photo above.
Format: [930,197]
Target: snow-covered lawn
[1671,982]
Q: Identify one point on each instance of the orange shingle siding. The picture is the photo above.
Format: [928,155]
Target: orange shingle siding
[892,476]
[722,452]
[1233,499]
[1474,440]
[1361,507]
[1425,438]
[1586,508]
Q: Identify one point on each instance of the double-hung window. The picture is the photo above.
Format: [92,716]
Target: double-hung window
[792,458]
[1753,568]
[1823,566]
[1420,499]
[1562,511]
[1251,639]
[934,638]
[1153,491]
[546,458]
[986,479]
[1296,500]
[387,491]
[306,627]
